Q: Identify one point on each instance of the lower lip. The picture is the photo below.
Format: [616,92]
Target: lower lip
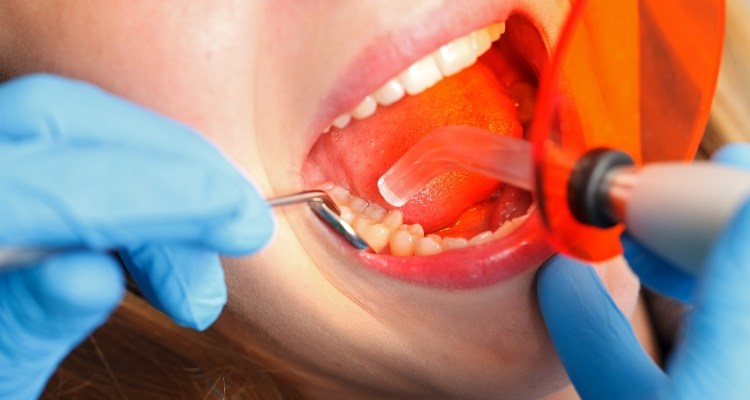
[472,267]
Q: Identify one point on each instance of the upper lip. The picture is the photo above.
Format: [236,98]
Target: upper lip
[393,51]
[380,61]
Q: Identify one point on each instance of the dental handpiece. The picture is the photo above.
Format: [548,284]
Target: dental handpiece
[319,202]
[675,209]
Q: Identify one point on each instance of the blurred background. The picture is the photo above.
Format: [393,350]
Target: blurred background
[730,117]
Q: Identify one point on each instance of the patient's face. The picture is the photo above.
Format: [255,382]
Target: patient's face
[444,310]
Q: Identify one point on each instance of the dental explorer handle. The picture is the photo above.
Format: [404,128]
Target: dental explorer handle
[677,209]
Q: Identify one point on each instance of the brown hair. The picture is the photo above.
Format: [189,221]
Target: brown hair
[140,354]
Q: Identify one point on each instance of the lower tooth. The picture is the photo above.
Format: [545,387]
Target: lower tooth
[358,205]
[375,212]
[394,219]
[427,246]
[416,230]
[481,238]
[360,225]
[402,243]
[340,195]
[377,236]
[436,238]
[454,243]
[383,229]
[346,214]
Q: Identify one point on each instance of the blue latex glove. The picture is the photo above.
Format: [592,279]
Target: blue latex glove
[598,347]
[82,168]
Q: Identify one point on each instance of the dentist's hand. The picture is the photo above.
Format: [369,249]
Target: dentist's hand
[597,345]
[81,168]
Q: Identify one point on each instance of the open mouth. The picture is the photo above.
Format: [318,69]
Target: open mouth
[463,230]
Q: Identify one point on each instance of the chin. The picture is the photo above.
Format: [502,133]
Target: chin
[445,305]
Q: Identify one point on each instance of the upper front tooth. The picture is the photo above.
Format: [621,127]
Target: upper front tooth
[365,108]
[456,55]
[420,75]
[342,120]
[389,93]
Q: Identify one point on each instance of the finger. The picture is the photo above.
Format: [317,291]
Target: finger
[712,360]
[657,273]
[593,338]
[81,166]
[47,310]
[737,154]
[185,283]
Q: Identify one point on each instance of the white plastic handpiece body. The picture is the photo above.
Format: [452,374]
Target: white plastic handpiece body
[677,210]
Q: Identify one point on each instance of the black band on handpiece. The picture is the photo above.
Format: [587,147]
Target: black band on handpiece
[588,196]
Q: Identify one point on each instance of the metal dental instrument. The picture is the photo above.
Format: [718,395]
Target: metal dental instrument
[319,202]
[323,206]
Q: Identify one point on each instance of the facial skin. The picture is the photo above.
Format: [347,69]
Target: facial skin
[262,79]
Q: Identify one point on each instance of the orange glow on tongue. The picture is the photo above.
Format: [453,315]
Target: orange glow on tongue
[358,155]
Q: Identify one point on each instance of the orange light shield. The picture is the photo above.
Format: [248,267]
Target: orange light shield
[636,76]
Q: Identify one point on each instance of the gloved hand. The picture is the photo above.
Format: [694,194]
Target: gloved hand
[598,347]
[83,169]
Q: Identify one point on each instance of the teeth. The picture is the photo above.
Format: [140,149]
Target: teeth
[389,93]
[456,55]
[394,220]
[416,229]
[481,41]
[339,194]
[365,108]
[495,30]
[454,243]
[448,60]
[361,224]
[420,75]
[402,243]
[346,214]
[427,246]
[341,121]
[386,232]
[375,212]
[481,238]
[358,205]
[377,236]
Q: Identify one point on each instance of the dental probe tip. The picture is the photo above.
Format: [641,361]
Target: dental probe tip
[323,206]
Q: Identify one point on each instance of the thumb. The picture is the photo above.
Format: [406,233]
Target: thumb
[47,310]
[594,340]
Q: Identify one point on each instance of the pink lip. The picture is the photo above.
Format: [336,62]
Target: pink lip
[472,267]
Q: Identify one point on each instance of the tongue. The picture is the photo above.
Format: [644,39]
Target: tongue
[358,155]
